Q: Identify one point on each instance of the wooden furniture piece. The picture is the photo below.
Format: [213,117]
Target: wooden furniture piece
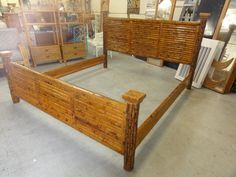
[110,122]
[56,30]
[40,27]
[171,15]
[25,54]
[72,33]
[221,76]
[221,79]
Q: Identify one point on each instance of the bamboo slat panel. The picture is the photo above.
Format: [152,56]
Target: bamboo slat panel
[145,38]
[165,40]
[23,84]
[117,35]
[99,117]
[178,42]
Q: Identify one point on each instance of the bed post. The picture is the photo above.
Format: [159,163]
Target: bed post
[203,21]
[105,15]
[6,63]
[133,99]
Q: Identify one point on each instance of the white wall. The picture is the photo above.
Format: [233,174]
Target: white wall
[119,8]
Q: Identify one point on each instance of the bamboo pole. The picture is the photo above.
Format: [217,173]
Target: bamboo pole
[104,14]
[133,99]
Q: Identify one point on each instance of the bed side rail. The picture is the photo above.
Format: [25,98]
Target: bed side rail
[78,66]
[156,115]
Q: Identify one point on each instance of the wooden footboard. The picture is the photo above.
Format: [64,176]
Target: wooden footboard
[99,117]
[110,122]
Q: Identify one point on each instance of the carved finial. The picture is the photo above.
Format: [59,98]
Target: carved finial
[133,96]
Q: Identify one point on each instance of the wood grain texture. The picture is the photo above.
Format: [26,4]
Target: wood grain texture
[151,121]
[222,80]
[167,40]
[133,96]
[117,34]
[103,16]
[69,69]
[25,54]
[230,78]
[133,99]
[214,84]
[96,116]
[45,54]
[219,65]
[73,50]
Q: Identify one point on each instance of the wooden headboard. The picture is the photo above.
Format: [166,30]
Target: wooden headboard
[166,40]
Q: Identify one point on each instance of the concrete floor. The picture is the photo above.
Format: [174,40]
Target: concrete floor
[196,138]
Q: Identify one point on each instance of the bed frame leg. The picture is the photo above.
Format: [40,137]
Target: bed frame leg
[105,62]
[133,99]
[104,16]
[6,63]
[190,82]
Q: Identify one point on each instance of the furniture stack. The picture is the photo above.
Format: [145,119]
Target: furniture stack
[72,33]
[55,30]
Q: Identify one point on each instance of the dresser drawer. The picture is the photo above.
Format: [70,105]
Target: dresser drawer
[75,50]
[45,54]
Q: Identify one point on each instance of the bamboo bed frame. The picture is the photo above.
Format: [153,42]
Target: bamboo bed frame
[110,122]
